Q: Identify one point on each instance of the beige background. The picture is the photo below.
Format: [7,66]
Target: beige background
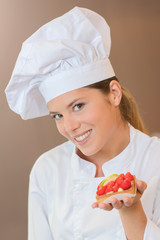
[135,28]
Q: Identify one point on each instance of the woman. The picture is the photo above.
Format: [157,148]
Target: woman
[63,69]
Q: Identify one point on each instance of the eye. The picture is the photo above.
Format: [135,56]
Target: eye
[77,107]
[57,116]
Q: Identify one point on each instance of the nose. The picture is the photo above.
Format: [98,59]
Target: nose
[71,123]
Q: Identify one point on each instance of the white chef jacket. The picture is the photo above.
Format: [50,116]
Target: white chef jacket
[63,187]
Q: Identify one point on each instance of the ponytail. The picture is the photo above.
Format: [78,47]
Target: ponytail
[128,107]
[129,111]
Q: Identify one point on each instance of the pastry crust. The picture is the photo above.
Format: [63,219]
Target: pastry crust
[131,192]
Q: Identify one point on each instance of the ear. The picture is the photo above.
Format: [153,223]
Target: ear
[115,94]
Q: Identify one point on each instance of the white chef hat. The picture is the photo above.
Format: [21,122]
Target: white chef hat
[69,52]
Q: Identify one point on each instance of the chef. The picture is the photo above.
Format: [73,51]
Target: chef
[63,70]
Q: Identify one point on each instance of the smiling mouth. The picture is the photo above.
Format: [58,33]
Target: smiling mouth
[82,137]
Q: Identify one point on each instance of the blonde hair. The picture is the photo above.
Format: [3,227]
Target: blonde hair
[128,107]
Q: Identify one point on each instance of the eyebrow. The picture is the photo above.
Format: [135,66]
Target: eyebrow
[69,105]
[73,102]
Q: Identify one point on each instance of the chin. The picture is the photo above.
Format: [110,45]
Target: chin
[87,152]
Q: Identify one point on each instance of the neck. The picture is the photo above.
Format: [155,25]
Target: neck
[115,146]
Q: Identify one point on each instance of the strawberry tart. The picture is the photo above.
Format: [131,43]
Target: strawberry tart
[116,185]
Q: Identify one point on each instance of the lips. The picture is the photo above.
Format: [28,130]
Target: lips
[81,137]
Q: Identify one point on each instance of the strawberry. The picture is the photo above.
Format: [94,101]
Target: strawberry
[121,175]
[101,184]
[108,190]
[129,176]
[126,184]
[120,179]
[115,187]
[101,190]
[109,186]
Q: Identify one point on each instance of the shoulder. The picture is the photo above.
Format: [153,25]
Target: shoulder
[50,161]
[146,153]
[146,142]
[62,151]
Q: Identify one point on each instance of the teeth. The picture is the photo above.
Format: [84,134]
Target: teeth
[83,136]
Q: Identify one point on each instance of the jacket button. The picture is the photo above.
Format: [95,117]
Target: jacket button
[118,234]
[78,186]
[79,237]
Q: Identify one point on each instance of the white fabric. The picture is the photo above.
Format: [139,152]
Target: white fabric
[69,52]
[62,189]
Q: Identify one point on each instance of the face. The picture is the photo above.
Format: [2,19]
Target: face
[86,117]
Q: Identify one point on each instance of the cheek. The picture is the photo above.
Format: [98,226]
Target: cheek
[96,116]
[60,129]
[102,118]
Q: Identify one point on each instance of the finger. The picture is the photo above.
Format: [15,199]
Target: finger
[116,203]
[105,206]
[141,186]
[128,201]
[95,205]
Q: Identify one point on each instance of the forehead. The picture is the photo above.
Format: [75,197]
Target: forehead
[69,97]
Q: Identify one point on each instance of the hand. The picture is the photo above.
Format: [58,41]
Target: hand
[126,202]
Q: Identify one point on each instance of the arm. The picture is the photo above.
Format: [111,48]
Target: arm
[38,226]
[152,230]
[134,221]
[136,224]
[131,213]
